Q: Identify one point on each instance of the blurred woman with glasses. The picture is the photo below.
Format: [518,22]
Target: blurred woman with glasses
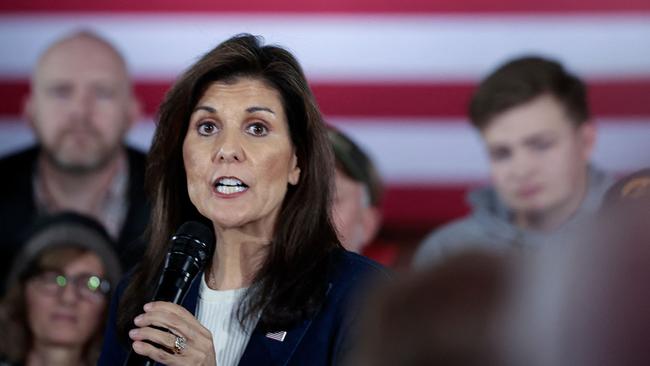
[57,294]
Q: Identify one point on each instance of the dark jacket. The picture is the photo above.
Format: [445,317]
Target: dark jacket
[18,210]
[319,340]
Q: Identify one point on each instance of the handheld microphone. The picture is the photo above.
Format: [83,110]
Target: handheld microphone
[191,247]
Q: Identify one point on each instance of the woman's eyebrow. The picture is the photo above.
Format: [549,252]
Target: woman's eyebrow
[205,108]
[259,109]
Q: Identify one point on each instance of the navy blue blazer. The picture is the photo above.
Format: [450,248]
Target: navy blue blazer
[319,340]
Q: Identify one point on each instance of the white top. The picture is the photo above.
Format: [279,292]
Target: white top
[217,311]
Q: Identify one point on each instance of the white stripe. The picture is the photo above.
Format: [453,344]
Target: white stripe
[429,151]
[451,151]
[333,47]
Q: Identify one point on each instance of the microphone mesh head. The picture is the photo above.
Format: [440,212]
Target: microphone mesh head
[194,239]
[198,231]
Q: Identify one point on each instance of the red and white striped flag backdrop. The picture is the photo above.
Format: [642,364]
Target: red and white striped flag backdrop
[396,75]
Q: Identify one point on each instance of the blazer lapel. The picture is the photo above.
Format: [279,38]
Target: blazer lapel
[263,348]
[273,348]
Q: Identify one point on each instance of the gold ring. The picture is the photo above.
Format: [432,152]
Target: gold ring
[179,344]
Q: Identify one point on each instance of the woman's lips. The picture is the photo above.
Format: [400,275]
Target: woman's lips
[63,317]
[229,186]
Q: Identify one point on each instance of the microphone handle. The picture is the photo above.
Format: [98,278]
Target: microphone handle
[172,288]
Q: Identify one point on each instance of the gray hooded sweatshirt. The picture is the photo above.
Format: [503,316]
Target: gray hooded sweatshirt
[489,225]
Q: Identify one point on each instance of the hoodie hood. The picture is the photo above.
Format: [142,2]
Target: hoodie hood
[489,210]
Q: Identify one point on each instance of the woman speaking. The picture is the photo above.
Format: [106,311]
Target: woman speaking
[241,146]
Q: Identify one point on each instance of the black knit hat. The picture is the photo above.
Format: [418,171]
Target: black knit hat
[66,230]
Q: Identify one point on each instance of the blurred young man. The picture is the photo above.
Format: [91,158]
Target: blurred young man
[356,211]
[80,107]
[534,119]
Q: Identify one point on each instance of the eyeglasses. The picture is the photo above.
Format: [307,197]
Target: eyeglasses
[87,286]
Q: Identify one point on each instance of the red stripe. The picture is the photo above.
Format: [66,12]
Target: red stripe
[407,100]
[326,6]
[423,206]
[12,95]
[613,98]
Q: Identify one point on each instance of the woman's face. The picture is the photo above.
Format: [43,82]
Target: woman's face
[238,156]
[64,315]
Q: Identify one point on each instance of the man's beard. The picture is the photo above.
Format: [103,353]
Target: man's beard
[78,146]
[77,167]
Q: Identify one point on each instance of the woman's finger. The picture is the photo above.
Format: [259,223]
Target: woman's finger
[157,354]
[167,307]
[195,344]
[199,353]
[169,321]
[157,336]
[173,317]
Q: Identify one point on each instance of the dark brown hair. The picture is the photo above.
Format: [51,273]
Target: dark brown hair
[290,285]
[520,81]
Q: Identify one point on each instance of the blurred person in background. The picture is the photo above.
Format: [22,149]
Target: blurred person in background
[632,190]
[55,307]
[535,122]
[80,108]
[357,199]
[587,304]
[448,314]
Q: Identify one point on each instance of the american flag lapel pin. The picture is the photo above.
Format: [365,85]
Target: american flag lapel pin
[277,336]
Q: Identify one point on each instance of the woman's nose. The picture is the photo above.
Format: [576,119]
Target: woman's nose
[230,149]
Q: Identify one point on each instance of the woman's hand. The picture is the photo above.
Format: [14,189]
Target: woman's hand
[197,348]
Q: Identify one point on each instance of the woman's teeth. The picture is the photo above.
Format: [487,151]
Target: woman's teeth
[230,189]
[230,186]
